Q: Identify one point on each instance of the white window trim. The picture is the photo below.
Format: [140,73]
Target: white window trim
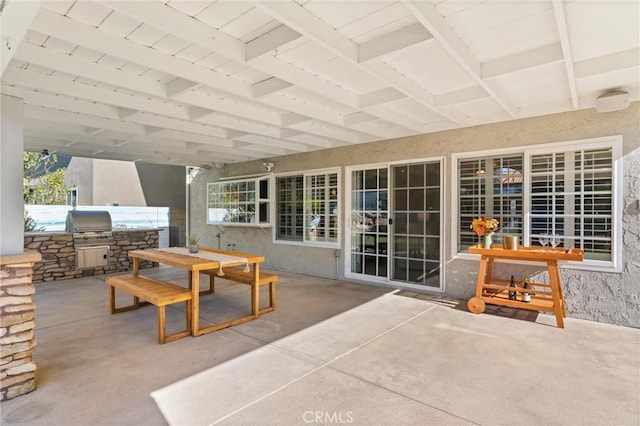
[307,243]
[614,141]
[248,178]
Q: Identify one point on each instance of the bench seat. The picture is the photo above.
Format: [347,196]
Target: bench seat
[156,292]
[238,275]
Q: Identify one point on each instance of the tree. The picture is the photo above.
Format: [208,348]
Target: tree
[41,185]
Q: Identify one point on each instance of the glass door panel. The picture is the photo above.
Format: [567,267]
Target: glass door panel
[416,193]
[369,220]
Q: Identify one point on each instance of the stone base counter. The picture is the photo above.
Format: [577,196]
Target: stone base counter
[59,258]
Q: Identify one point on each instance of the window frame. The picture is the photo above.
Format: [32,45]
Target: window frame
[257,201]
[338,199]
[613,142]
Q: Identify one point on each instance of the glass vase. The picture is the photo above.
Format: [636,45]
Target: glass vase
[487,240]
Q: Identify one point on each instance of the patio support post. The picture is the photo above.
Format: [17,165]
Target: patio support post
[17,318]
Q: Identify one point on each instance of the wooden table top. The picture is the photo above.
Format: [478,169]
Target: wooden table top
[530,253]
[192,263]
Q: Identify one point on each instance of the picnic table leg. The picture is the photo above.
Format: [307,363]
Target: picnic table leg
[195,302]
[255,290]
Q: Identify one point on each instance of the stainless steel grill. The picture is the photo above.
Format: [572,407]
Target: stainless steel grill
[92,237]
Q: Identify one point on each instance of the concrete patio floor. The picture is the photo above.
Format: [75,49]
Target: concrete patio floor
[333,352]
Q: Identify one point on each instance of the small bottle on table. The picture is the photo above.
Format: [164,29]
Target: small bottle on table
[526,296]
[512,293]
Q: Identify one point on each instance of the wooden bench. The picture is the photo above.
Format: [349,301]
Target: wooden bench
[153,291]
[239,275]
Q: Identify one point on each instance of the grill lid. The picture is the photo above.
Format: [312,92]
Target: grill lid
[88,221]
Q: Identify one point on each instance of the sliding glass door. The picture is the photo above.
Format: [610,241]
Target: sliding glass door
[396,225]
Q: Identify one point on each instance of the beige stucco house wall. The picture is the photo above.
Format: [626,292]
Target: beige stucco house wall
[601,296]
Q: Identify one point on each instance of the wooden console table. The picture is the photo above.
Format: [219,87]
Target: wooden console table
[546,297]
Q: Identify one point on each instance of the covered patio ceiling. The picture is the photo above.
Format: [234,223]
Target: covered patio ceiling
[209,82]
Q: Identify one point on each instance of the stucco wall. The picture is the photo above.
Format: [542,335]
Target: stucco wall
[606,297]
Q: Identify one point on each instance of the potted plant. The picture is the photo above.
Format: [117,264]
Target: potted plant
[193,243]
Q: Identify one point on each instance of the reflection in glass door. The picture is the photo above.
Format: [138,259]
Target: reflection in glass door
[416,253]
[369,218]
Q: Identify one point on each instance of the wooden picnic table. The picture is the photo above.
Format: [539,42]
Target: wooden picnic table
[193,265]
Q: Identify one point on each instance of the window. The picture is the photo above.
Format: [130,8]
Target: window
[239,202]
[572,197]
[307,208]
[567,189]
[490,186]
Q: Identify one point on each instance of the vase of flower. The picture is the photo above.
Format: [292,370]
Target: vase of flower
[487,240]
[485,227]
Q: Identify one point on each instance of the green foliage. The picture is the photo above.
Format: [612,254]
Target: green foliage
[30,224]
[193,239]
[41,185]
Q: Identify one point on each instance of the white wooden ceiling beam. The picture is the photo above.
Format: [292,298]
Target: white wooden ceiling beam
[261,149]
[277,38]
[292,118]
[76,66]
[179,86]
[307,109]
[15,19]
[75,32]
[181,125]
[295,16]
[124,113]
[332,132]
[396,117]
[270,85]
[230,107]
[74,89]
[184,26]
[54,102]
[357,117]
[33,112]
[218,120]
[393,42]
[427,14]
[381,96]
[273,142]
[305,80]
[533,58]
[627,59]
[468,94]
[563,32]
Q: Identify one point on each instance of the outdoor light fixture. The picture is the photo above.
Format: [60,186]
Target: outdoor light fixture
[269,165]
[614,100]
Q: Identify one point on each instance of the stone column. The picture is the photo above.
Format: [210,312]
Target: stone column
[17,323]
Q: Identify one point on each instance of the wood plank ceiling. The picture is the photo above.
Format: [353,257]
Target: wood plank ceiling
[209,82]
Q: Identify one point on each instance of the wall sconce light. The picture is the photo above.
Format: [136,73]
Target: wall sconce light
[269,165]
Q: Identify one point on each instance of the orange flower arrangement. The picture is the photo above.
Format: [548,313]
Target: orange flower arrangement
[484,224]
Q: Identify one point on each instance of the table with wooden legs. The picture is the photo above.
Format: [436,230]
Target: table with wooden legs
[545,297]
[194,265]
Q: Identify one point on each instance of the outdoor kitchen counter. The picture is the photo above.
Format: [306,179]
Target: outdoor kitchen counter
[58,253]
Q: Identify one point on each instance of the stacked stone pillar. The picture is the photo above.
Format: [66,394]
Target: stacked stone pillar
[17,323]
